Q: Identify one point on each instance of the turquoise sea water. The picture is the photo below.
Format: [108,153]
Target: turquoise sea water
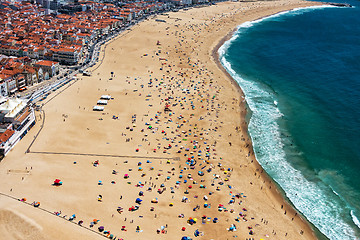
[300,72]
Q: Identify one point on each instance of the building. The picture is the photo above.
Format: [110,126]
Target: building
[30,75]
[46,4]
[3,85]
[17,117]
[11,85]
[50,67]
[54,5]
[66,55]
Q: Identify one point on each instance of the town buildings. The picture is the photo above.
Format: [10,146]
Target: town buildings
[35,44]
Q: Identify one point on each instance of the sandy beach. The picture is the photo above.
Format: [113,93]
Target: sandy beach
[168,157]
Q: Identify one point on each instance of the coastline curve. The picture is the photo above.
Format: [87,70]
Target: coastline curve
[290,194]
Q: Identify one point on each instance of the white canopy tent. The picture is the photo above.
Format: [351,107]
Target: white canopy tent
[102,102]
[105,97]
[98,108]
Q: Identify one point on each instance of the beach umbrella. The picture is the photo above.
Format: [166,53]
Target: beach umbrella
[57,182]
[101,228]
[138,200]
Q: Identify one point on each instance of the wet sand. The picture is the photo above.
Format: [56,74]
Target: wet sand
[198,152]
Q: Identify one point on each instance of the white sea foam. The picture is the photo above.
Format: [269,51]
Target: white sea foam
[355,219]
[307,196]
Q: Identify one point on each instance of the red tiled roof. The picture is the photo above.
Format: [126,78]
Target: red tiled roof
[6,135]
[46,63]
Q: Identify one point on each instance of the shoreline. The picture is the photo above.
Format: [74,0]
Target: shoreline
[243,104]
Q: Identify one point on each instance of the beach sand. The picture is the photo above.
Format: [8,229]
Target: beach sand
[154,64]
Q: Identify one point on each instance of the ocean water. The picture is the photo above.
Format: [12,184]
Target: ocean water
[300,72]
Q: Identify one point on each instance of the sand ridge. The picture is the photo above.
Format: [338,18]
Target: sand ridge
[14,225]
[193,161]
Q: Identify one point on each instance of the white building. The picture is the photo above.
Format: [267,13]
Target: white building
[16,119]
[3,87]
